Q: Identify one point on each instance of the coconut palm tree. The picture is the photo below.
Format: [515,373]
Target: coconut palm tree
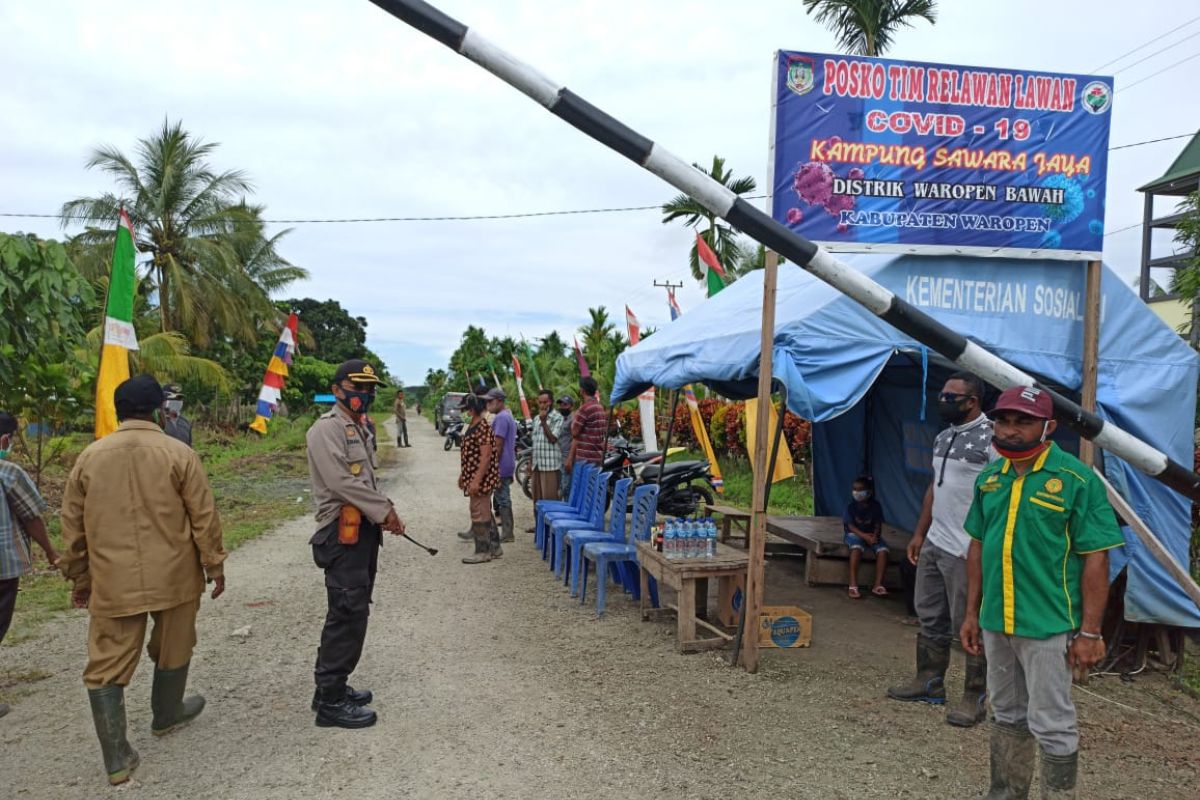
[210,267]
[719,236]
[867,27]
[596,336]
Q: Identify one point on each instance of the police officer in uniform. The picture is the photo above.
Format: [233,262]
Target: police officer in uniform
[351,515]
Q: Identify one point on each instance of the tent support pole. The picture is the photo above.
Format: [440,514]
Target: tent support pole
[758,510]
[777,439]
[667,443]
[1091,353]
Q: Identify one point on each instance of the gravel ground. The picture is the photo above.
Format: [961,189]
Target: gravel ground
[491,682]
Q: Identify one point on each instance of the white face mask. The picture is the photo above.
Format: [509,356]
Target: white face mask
[174,406]
[860,496]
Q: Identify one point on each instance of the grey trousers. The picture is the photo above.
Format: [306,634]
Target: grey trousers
[1029,683]
[941,594]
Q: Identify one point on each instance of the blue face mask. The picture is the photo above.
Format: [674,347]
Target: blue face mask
[6,449]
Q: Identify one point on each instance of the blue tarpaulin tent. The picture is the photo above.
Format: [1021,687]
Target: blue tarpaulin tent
[869,388]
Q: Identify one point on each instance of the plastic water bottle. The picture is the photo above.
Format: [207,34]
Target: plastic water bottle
[670,541]
[710,539]
[697,539]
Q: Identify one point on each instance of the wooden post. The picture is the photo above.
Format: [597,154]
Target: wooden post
[758,510]
[1091,352]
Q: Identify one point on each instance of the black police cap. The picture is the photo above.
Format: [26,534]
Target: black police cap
[356,370]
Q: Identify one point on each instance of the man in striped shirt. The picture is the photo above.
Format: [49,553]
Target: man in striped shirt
[587,427]
[21,509]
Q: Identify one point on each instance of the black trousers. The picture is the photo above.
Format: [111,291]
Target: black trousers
[349,580]
[401,433]
[8,602]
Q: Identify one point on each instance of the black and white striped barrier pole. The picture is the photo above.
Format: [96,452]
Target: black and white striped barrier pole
[572,108]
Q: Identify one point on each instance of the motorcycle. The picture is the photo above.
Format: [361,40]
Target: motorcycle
[454,431]
[684,486]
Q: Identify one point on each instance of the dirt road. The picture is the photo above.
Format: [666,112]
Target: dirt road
[492,683]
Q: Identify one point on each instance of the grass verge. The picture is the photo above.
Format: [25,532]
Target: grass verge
[791,497]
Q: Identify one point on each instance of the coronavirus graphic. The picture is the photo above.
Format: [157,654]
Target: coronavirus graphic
[1091,194]
[813,183]
[1096,228]
[1072,204]
[795,216]
[1052,239]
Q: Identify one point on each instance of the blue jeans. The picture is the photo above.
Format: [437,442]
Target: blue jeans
[502,495]
[856,542]
[564,484]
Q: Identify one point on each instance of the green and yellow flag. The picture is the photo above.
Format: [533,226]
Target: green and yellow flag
[119,335]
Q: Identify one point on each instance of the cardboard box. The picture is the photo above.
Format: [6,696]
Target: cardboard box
[784,626]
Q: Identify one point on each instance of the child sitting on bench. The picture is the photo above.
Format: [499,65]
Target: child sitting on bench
[863,527]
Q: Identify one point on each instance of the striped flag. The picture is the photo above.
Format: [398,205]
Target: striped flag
[521,388]
[715,274]
[583,367]
[273,378]
[674,304]
[646,398]
[119,335]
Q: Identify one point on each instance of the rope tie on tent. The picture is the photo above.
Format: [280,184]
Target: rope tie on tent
[924,379]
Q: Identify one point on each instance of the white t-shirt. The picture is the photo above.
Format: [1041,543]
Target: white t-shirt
[959,454]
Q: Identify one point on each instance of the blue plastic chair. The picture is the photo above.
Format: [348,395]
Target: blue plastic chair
[593,519]
[576,538]
[574,501]
[622,555]
[591,486]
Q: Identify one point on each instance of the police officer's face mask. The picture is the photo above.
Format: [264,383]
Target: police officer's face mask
[357,402]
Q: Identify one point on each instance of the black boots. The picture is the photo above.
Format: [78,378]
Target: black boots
[171,709]
[337,709]
[971,709]
[506,524]
[1012,762]
[108,712]
[353,695]
[1058,776]
[928,684]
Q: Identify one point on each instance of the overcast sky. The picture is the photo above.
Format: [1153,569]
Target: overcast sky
[337,110]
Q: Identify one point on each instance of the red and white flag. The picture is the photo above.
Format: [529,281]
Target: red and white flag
[521,388]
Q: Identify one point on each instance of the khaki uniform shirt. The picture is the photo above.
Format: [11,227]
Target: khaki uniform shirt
[139,523]
[401,411]
[341,464]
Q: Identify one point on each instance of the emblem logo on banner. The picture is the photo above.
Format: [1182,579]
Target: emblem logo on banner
[800,74]
[1097,97]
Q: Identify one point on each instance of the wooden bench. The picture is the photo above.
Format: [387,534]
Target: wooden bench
[689,578]
[827,559]
[730,517]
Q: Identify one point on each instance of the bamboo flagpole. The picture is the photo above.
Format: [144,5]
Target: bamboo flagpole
[757,224]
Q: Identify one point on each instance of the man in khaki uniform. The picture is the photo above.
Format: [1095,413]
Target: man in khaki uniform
[351,511]
[141,537]
[401,420]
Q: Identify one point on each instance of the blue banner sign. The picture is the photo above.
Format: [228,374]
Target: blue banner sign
[875,155]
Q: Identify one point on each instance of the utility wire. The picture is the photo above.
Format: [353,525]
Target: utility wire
[1146,44]
[1160,72]
[1156,52]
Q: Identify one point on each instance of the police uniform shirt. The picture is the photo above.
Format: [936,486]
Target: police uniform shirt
[341,466]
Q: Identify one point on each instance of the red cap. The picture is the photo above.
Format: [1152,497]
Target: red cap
[1026,400]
